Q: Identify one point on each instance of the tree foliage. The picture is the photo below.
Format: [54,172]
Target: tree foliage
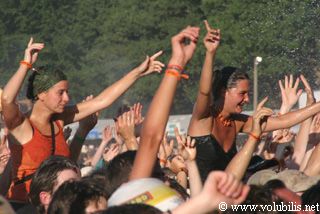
[98,41]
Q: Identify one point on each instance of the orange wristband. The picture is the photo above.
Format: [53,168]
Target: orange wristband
[163,161]
[173,73]
[252,135]
[29,65]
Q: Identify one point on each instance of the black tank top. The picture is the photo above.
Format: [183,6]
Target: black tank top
[211,156]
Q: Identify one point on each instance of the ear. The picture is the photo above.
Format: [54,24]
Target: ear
[45,198]
[41,96]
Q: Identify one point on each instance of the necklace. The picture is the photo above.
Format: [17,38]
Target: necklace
[224,121]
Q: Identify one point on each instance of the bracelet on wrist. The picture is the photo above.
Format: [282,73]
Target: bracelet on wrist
[254,136]
[29,65]
[176,73]
[164,162]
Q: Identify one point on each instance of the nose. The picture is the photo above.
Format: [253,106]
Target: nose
[246,98]
[66,97]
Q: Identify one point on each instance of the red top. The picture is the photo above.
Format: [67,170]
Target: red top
[27,158]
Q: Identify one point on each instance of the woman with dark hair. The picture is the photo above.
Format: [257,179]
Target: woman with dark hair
[217,118]
[38,134]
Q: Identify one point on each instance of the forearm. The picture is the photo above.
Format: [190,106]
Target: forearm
[154,127]
[182,179]
[306,157]
[207,74]
[300,145]
[103,100]
[113,92]
[201,108]
[239,163]
[313,165]
[194,178]
[131,143]
[97,156]
[77,143]
[13,86]
[292,118]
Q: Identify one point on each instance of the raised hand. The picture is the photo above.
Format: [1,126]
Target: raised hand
[186,146]
[125,125]
[182,51]
[150,65]
[308,90]
[289,93]
[222,187]
[111,152]
[166,148]
[138,118]
[212,39]
[32,51]
[107,134]
[259,117]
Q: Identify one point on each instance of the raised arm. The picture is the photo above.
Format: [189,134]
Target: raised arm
[113,92]
[219,188]
[106,137]
[239,163]
[189,153]
[158,113]
[286,120]
[301,142]
[125,128]
[11,113]
[204,98]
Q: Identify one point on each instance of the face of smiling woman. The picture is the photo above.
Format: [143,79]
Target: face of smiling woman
[237,97]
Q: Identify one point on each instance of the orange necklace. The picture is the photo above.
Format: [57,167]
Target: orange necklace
[224,121]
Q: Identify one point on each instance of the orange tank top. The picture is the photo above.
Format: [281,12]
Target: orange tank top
[27,158]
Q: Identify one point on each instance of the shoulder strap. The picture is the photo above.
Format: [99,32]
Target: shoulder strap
[53,138]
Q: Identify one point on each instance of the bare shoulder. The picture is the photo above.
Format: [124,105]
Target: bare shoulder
[22,133]
[242,122]
[200,127]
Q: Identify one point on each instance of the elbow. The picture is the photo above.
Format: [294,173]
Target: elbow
[5,99]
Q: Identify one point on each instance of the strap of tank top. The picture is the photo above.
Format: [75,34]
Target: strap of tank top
[53,148]
[53,138]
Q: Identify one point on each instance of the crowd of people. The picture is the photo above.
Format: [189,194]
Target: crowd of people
[136,167]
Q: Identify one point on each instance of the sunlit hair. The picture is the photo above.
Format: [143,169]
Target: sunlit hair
[226,78]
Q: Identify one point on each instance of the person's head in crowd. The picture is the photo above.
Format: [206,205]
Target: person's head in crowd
[77,197]
[312,195]
[132,208]
[231,85]
[149,191]
[119,169]
[5,206]
[48,84]
[258,195]
[294,180]
[49,176]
